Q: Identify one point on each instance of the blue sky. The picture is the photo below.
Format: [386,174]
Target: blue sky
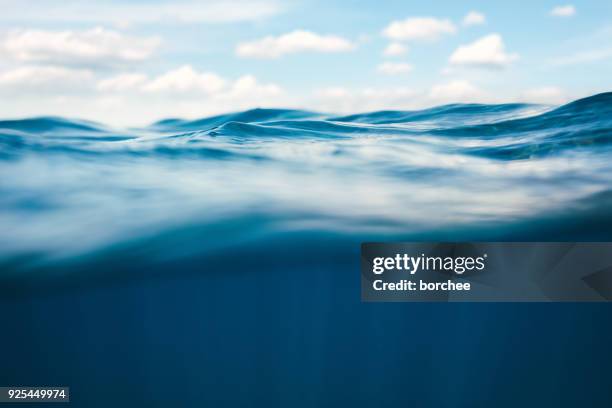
[132,62]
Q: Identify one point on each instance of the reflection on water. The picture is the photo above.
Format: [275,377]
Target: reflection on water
[72,189]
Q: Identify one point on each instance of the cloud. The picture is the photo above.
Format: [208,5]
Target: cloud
[122,82]
[455,91]
[588,48]
[97,46]
[394,68]
[488,52]
[293,42]
[395,49]
[419,28]
[563,11]
[473,18]
[550,95]
[126,13]
[345,100]
[249,91]
[185,79]
[186,82]
[40,79]
[133,98]
[584,57]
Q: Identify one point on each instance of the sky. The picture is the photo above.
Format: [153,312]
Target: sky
[131,62]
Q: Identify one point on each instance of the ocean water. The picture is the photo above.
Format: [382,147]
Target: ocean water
[71,190]
[217,259]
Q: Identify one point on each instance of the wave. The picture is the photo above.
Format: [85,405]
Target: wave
[51,124]
[249,116]
[75,190]
[581,110]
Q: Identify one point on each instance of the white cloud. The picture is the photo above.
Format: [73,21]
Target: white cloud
[249,91]
[96,46]
[347,100]
[185,79]
[588,48]
[45,79]
[419,28]
[395,49]
[122,82]
[488,51]
[394,68]
[126,13]
[563,11]
[584,57]
[473,18]
[455,91]
[344,100]
[132,99]
[546,95]
[293,42]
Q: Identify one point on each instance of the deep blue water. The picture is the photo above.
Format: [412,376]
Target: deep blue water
[215,262]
